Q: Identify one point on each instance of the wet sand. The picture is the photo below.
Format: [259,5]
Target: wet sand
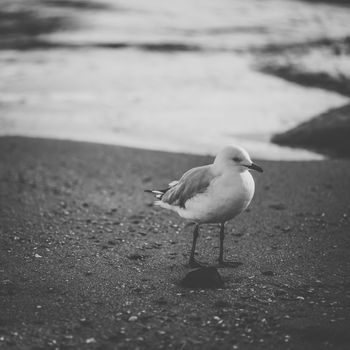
[328,132]
[87,262]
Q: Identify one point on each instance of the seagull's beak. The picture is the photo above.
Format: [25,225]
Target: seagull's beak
[255,167]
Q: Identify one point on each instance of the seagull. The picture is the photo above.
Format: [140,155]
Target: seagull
[214,193]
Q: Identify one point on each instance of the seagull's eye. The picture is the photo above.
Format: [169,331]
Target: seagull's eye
[237,159]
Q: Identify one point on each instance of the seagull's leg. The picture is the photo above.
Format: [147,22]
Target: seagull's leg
[222,262]
[222,237]
[193,262]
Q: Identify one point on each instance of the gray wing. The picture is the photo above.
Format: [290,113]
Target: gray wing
[193,182]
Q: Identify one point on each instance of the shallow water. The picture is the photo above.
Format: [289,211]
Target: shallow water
[118,82]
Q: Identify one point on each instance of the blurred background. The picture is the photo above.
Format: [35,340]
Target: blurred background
[187,75]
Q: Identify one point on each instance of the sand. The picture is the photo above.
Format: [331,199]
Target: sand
[87,262]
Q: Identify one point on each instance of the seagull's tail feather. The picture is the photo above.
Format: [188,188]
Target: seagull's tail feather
[158,193]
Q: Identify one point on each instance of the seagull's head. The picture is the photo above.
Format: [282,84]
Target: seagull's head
[237,157]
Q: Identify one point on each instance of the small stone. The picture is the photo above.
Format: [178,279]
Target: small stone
[222,304]
[136,257]
[205,277]
[90,340]
[267,273]
[280,292]
[161,301]
[277,206]
[83,321]
[132,318]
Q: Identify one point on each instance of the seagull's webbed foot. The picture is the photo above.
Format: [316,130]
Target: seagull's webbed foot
[232,264]
[195,263]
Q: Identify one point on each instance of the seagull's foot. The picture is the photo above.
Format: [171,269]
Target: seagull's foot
[195,263]
[232,264]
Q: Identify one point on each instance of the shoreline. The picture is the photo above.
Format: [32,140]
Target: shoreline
[304,65]
[221,79]
[83,250]
[328,133]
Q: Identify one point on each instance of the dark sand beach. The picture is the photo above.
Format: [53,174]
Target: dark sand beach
[88,263]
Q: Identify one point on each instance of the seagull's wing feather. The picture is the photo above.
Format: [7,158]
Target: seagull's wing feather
[193,182]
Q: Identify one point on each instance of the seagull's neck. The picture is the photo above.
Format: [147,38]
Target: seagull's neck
[222,167]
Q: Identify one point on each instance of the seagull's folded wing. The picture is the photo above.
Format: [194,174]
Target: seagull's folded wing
[193,182]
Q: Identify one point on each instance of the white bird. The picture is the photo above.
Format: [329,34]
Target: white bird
[214,193]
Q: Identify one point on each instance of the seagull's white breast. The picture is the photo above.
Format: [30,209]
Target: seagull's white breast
[227,196]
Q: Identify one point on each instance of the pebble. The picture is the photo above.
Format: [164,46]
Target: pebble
[90,340]
[277,206]
[267,273]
